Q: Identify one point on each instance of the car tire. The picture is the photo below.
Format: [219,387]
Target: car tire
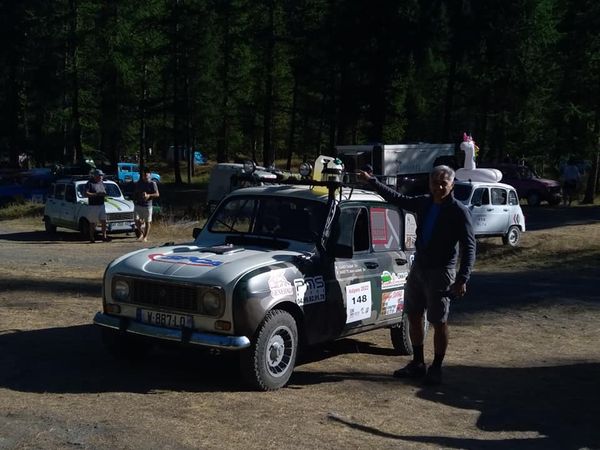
[84,229]
[512,236]
[50,228]
[124,346]
[533,198]
[400,336]
[269,362]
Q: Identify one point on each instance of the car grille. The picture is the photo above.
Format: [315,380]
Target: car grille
[165,295]
[119,217]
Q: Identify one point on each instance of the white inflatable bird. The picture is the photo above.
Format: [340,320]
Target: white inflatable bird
[470,172]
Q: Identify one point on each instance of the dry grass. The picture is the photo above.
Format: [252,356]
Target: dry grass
[572,247]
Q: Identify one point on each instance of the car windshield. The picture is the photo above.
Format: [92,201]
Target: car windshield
[274,217]
[112,190]
[462,192]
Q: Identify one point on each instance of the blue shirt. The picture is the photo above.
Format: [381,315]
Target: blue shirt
[429,223]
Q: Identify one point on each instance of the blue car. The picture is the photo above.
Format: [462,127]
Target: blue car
[131,172]
[30,185]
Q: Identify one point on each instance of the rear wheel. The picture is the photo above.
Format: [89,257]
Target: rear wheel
[48,225]
[269,362]
[533,199]
[84,229]
[400,335]
[512,236]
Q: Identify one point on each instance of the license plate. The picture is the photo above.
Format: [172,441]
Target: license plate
[162,319]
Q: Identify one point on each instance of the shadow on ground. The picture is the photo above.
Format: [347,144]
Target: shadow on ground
[73,360]
[545,217]
[35,237]
[560,403]
[52,286]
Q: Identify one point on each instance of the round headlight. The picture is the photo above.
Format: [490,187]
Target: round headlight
[121,290]
[211,303]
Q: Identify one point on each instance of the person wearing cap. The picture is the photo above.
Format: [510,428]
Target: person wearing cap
[96,192]
[145,191]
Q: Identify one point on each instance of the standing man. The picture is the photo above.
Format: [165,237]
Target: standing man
[96,192]
[145,191]
[571,177]
[443,224]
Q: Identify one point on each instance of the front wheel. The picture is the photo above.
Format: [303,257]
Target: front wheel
[400,335]
[512,236]
[269,362]
[50,228]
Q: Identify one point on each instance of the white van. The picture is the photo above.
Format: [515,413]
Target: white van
[494,208]
[66,207]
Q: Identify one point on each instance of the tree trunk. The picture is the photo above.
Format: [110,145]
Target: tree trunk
[290,149]
[268,156]
[75,135]
[176,100]
[592,182]
[222,140]
[143,100]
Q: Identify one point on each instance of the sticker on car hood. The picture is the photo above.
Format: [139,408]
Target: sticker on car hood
[188,260]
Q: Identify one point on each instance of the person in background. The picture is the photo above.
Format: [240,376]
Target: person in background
[145,191]
[95,193]
[571,178]
[443,225]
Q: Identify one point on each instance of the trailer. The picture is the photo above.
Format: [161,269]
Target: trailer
[403,166]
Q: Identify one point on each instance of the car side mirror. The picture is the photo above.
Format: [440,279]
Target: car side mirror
[196,232]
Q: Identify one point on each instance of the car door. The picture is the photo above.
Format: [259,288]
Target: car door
[373,237]
[499,214]
[480,207]
[69,207]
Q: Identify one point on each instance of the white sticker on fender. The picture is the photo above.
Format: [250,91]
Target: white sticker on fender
[358,302]
[278,285]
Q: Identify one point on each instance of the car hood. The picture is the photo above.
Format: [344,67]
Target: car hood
[113,204]
[213,265]
[548,183]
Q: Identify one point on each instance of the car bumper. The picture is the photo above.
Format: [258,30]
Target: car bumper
[119,227]
[211,340]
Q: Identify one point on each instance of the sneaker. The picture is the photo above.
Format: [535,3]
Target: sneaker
[434,376]
[412,370]
[106,239]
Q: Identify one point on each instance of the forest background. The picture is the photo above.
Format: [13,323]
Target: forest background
[271,79]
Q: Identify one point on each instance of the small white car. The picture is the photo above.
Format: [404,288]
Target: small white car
[66,207]
[494,208]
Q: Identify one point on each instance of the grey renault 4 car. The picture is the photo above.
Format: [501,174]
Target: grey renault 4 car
[274,269]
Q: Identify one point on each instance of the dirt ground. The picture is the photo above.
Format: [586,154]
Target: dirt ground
[522,370]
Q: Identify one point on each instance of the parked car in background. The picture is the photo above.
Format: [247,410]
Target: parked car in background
[131,172]
[67,207]
[31,185]
[528,185]
[495,209]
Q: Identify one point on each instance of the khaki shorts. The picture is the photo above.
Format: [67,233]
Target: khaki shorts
[95,213]
[428,289]
[143,213]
